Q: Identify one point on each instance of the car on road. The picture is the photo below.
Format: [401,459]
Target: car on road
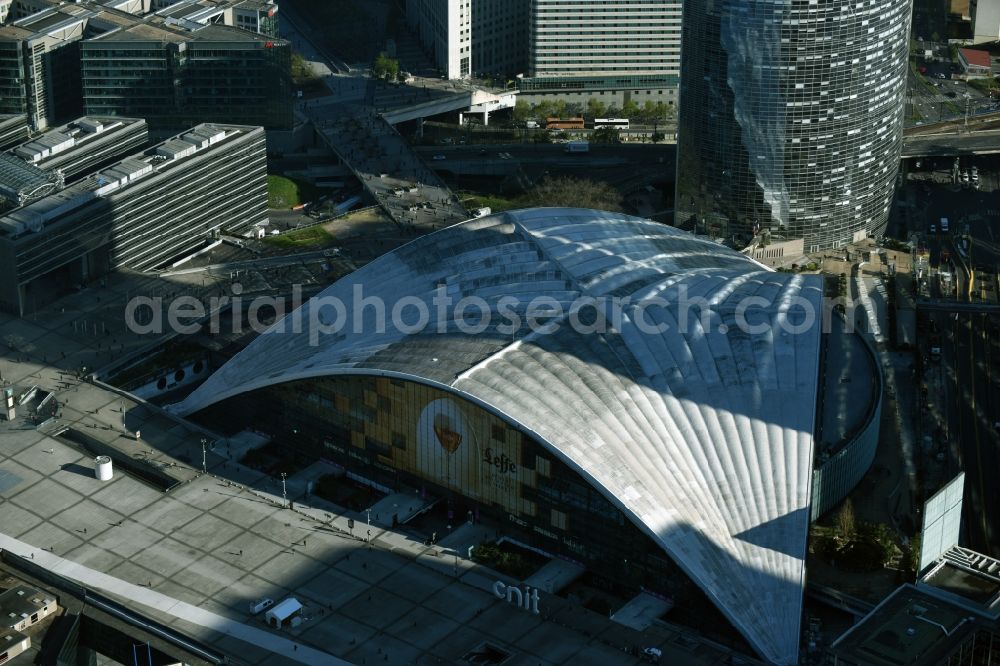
[951,93]
[941,76]
[438,158]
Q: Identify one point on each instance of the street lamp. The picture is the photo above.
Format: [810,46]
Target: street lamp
[284,493]
[204,455]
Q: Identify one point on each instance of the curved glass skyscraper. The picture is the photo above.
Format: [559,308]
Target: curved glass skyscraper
[791,117]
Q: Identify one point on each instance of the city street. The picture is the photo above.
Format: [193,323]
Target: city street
[971,358]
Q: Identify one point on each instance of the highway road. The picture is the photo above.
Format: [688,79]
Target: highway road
[971,353]
[983,142]
[662,156]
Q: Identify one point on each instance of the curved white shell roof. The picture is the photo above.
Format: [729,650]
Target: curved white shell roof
[703,437]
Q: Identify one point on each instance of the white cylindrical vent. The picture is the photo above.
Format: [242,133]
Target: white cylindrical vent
[102,468]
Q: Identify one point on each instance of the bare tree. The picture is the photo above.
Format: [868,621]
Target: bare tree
[574,193]
[846,529]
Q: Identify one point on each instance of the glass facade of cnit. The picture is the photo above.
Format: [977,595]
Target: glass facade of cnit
[404,436]
[791,117]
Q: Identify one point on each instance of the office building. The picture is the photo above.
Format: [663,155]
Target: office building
[192,61]
[573,50]
[22,607]
[499,38]
[140,213]
[613,52]
[481,38]
[12,10]
[13,129]
[670,456]
[951,615]
[985,16]
[84,145]
[791,119]
[444,28]
[174,77]
[39,65]
[260,16]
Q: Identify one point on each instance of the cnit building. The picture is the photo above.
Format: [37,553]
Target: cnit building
[681,456]
[791,119]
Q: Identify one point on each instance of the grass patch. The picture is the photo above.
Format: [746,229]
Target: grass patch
[987,86]
[508,559]
[493,202]
[282,192]
[303,74]
[315,236]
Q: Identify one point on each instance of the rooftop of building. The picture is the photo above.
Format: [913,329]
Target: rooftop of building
[116,178]
[165,30]
[972,578]
[192,10]
[976,57]
[74,138]
[10,638]
[20,602]
[20,180]
[46,22]
[911,627]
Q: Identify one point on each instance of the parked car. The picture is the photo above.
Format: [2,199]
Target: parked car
[438,158]
[260,605]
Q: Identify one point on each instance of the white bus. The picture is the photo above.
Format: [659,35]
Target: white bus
[616,123]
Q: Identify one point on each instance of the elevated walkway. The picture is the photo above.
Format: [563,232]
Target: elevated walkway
[392,174]
[555,576]
[641,611]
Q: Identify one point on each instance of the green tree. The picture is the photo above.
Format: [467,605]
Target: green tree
[574,109]
[302,71]
[596,108]
[543,137]
[559,108]
[522,111]
[630,109]
[664,110]
[606,135]
[657,137]
[545,109]
[385,68]
[648,113]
